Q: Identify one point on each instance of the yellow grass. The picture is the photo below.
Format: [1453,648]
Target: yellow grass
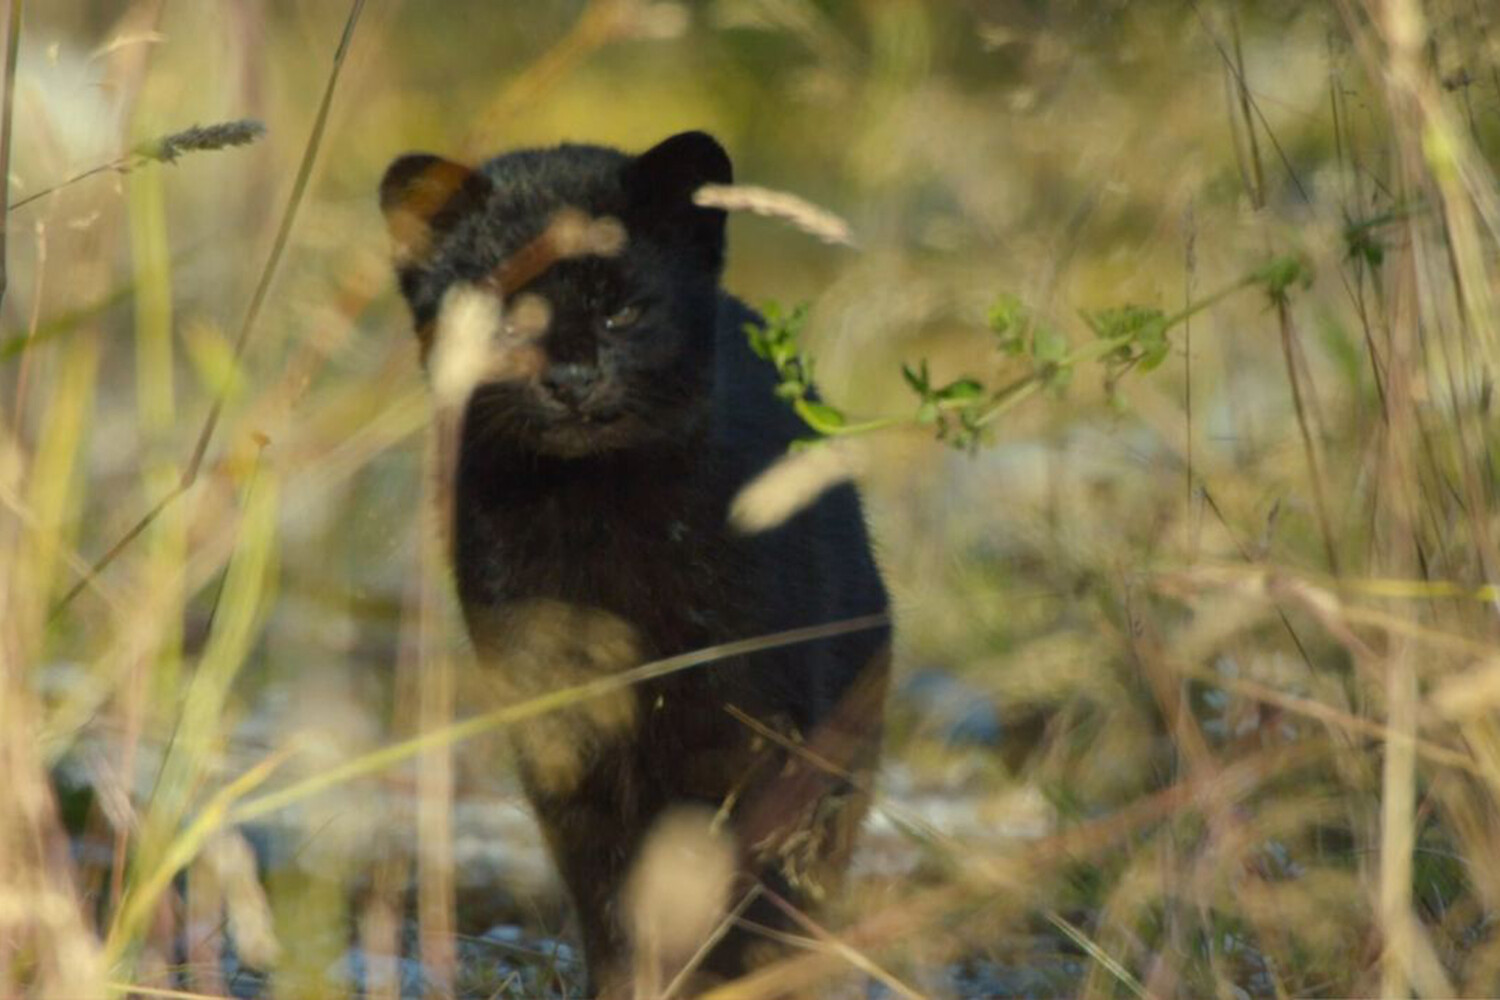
[1236,616]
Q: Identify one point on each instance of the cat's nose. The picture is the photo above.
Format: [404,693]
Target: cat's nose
[570,383]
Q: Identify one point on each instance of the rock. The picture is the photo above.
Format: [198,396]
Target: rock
[963,715]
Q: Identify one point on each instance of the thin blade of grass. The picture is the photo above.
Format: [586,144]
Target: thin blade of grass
[386,757]
[7,107]
[252,313]
[1098,954]
[237,614]
[180,853]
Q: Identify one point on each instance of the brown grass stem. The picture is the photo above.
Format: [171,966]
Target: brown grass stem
[165,149]
[252,313]
[848,952]
[7,108]
[1299,407]
[283,233]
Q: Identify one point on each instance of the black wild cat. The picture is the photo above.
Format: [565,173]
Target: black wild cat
[594,478]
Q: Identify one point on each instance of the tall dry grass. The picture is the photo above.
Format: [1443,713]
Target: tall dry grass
[1235,616]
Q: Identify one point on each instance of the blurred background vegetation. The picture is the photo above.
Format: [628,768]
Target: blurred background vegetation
[1197,677]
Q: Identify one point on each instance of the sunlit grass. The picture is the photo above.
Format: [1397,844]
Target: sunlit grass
[1218,546]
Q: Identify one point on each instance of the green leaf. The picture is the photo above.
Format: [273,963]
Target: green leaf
[1006,314]
[819,416]
[917,378]
[1153,341]
[760,343]
[1047,345]
[963,389]
[1127,321]
[1153,356]
[1282,273]
[1154,330]
[1361,244]
[1009,320]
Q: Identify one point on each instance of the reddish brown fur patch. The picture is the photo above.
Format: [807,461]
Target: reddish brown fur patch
[410,219]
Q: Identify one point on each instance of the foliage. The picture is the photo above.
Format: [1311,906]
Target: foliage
[1128,338]
[1196,682]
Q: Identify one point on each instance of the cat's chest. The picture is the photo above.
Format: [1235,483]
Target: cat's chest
[659,558]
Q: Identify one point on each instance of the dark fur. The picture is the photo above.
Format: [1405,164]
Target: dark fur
[619,504]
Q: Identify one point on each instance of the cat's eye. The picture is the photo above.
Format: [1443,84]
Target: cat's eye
[623,319]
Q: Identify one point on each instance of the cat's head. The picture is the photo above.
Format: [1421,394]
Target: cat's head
[607,277]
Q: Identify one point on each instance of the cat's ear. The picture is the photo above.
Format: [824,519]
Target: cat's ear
[422,195]
[660,184]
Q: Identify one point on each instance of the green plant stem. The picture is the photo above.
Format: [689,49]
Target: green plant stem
[1189,311]
[1008,397]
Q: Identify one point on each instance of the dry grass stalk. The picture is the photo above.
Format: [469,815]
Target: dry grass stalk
[1321,760]
[789,208]
[252,313]
[163,149]
[794,482]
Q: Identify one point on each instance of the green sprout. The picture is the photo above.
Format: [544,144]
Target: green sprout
[960,412]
